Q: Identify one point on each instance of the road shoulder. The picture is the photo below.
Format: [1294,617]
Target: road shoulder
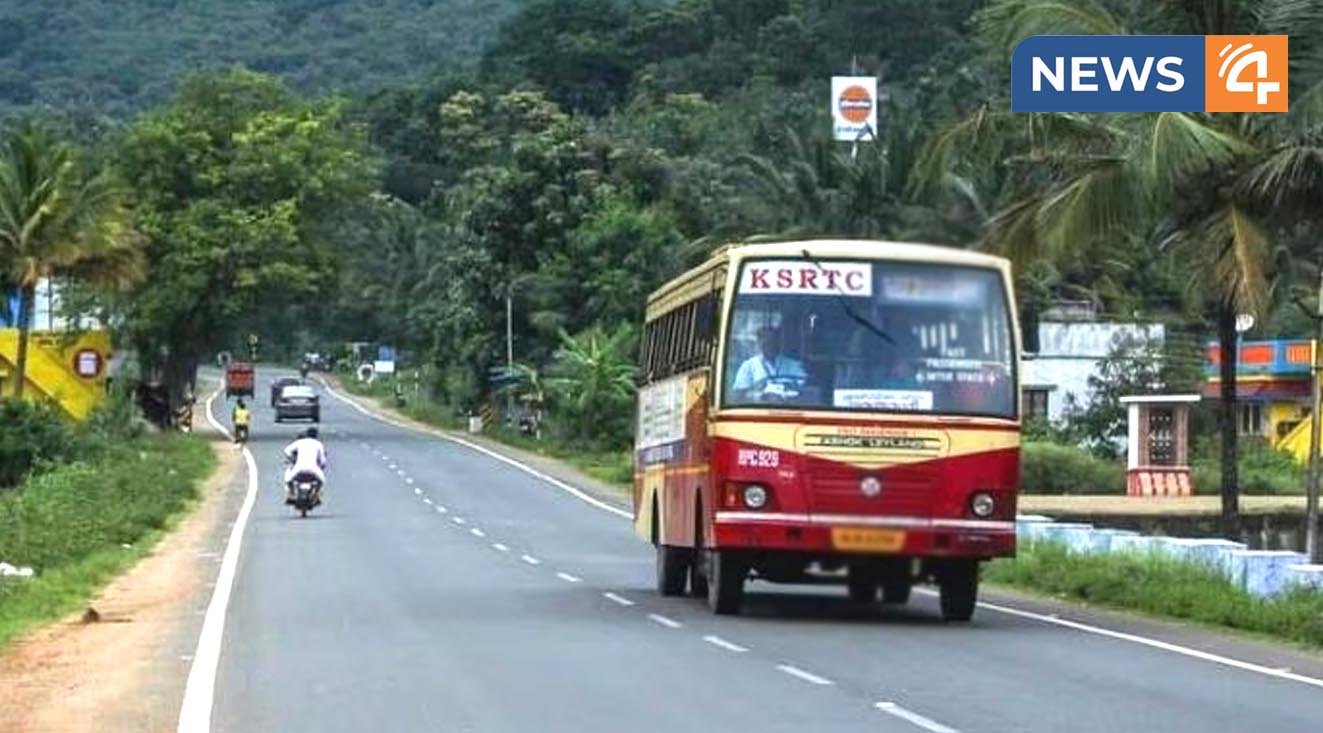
[127,670]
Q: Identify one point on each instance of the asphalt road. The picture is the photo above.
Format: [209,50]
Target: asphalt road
[439,589]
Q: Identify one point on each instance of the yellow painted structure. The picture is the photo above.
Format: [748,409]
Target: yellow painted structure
[67,369]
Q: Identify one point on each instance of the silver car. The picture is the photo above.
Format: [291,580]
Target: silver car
[298,402]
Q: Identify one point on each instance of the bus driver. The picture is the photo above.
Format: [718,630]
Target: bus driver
[767,366]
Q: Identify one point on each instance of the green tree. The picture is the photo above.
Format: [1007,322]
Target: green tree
[619,253]
[58,220]
[574,49]
[242,189]
[1199,185]
[591,380]
[1133,366]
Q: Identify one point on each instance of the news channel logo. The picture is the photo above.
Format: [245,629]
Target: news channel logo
[1150,74]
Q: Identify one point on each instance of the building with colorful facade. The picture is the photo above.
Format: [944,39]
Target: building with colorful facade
[1272,391]
[68,361]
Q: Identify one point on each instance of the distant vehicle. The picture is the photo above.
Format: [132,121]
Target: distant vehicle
[298,402]
[827,410]
[239,379]
[281,383]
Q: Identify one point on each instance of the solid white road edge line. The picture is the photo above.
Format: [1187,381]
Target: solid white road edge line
[1145,641]
[727,645]
[618,599]
[487,452]
[200,689]
[891,708]
[794,671]
[1154,643]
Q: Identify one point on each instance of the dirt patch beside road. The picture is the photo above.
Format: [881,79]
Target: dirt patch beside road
[126,671]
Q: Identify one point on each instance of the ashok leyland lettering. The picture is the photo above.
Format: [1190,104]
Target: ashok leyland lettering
[815,407]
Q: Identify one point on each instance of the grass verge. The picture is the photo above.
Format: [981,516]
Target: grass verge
[80,525]
[1161,587]
[615,468]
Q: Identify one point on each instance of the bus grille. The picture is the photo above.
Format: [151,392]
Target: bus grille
[906,491]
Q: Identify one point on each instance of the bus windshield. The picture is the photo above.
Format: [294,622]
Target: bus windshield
[870,336]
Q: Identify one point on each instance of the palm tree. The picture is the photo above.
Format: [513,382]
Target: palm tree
[817,186]
[57,222]
[1210,187]
[592,379]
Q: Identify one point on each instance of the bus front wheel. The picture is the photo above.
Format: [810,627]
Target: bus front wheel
[958,583]
[862,584]
[897,581]
[672,570]
[727,571]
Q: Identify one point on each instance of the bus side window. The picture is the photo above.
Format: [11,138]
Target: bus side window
[706,328]
[691,335]
[663,346]
[645,353]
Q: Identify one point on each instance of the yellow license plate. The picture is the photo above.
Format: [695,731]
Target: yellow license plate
[852,539]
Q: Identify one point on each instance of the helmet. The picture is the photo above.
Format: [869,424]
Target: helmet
[310,433]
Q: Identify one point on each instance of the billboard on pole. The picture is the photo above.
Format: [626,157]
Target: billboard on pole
[854,107]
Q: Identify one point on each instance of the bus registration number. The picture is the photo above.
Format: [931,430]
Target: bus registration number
[854,539]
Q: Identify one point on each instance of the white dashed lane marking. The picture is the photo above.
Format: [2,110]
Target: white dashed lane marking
[809,677]
[669,623]
[618,599]
[729,646]
[928,724]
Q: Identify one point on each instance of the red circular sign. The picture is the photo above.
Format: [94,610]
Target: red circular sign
[88,363]
[855,104]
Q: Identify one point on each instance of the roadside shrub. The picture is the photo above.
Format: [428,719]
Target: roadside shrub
[1161,586]
[63,515]
[1263,470]
[117,420]
[32,437]
[1052,468]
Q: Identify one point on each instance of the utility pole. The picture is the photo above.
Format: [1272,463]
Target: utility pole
[509,348]
[1315,427]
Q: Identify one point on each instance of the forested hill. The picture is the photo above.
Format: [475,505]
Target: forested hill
[116,56]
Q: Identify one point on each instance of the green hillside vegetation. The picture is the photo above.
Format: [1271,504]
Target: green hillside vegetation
[595,148]
[111,58]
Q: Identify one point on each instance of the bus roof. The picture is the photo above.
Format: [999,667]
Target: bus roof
[686,285]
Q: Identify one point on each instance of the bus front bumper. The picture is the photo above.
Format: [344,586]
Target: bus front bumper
[844,534]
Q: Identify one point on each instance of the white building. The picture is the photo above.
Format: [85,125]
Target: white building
[1068,354]
[46,311]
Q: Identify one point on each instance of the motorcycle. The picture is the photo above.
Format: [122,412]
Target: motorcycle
[305,493]
[240,434]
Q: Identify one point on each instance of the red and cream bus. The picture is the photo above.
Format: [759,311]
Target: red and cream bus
[818,406]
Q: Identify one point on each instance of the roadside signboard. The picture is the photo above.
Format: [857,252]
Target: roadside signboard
[854,107]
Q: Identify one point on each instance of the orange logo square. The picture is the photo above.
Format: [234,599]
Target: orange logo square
[1245,74]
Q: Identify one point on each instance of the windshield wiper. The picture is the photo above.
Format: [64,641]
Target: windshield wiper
[845,302]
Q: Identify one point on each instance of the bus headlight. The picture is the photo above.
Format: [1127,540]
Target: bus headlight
[755,496]
[982,504]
